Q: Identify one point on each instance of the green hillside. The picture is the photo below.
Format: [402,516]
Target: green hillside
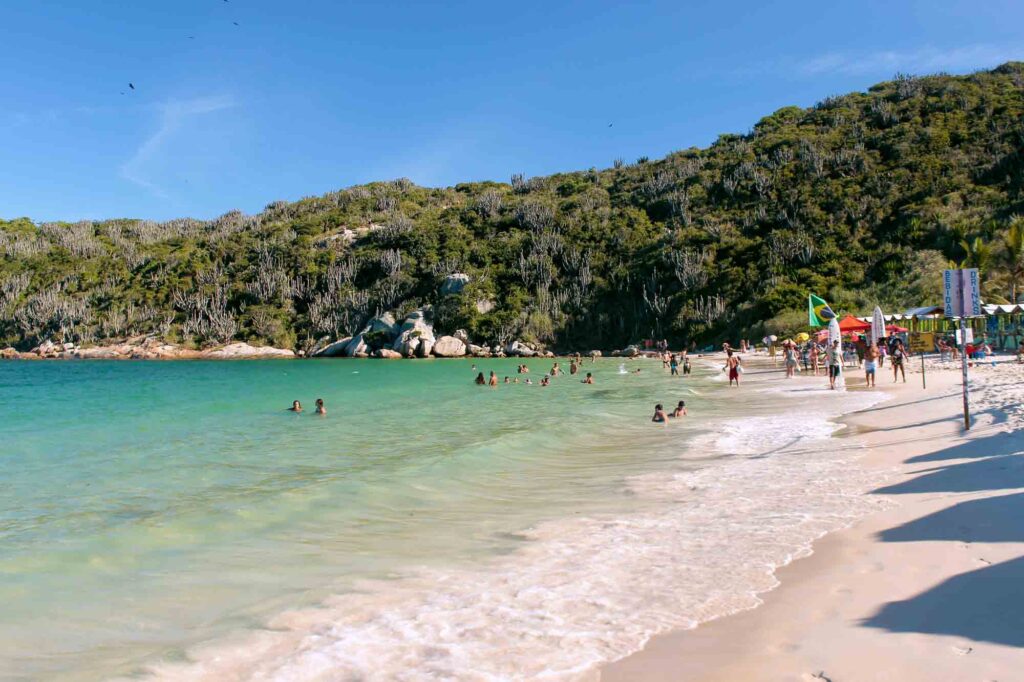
[863,198]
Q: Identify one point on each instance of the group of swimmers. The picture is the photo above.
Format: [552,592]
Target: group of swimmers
[659,412]
[556,370]
[297,407]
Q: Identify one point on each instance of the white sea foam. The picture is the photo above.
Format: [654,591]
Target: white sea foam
[582,591]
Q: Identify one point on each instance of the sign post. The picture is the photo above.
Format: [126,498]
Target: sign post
[922,342]
[963,299]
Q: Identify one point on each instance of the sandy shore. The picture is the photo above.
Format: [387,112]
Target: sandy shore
[930,589]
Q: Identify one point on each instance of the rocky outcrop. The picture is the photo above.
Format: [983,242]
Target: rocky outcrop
[332,350]
[386,354]
[415,336]
[454,284]
[355,346]
[243,350]
[449,347]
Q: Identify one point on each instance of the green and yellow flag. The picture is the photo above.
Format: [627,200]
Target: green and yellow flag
[818,312]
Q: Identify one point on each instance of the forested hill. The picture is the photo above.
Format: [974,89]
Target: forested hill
[861,199]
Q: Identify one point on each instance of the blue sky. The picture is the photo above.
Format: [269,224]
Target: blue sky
[309,96]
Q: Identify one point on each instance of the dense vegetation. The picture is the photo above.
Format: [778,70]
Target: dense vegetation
[863,198]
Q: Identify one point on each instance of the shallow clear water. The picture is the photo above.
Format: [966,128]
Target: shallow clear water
[174,519]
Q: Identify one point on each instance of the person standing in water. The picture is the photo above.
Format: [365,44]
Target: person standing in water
[673,365]
[686,363]
[480,380]
[320,409]
[573,367]
[493,381]
[732,365]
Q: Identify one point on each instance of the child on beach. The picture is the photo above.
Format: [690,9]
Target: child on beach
[589,379]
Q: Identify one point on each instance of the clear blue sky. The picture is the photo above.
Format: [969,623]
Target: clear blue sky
[308,96]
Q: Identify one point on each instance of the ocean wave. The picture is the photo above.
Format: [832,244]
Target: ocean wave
[584,590]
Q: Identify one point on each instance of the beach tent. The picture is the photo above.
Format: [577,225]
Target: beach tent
[895,329]
[852,324]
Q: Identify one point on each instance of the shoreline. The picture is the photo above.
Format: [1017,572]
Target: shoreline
[875,586]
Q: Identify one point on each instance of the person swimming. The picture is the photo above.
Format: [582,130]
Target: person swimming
[545,381]
[480,381]
[507,380]
[589,379]
[493,381]
[320,409]
[296,406]
[659,414]
[529,381]
[680,410]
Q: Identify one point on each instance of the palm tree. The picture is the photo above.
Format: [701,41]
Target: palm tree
[1013,255]
[979,254]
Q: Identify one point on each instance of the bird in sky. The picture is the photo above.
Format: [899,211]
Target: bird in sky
[131,85]
[610,125]
[235,23]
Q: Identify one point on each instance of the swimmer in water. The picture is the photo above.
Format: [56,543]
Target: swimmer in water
[507,380]
[493,381]
[589,379]
[296,406]
[545,381]
[659,414]
[529,381]
[680,410]
[320,409]
[637,371]
[480,381]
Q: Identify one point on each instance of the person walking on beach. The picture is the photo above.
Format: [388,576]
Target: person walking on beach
[813,352]
[659,415]
[320,409]
[834,358]
[790,355]
[898,358]
[870,364]
[732,364]
[673,365]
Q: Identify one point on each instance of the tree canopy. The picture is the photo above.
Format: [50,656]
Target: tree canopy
[863,199]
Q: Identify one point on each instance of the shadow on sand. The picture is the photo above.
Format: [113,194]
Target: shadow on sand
[987,604]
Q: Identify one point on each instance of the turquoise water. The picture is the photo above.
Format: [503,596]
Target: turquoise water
[147,507]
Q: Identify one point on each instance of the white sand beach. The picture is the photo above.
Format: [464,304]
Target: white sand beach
[931,588]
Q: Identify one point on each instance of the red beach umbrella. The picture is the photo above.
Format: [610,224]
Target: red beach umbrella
[852,324]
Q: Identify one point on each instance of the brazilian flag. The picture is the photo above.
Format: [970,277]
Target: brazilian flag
[818,312]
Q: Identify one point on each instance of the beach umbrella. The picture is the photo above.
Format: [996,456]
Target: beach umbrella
[877,325]
[895,329]
[852,324]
